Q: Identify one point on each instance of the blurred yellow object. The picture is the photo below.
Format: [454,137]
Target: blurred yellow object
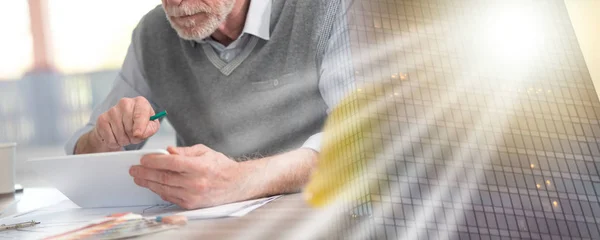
[349,144]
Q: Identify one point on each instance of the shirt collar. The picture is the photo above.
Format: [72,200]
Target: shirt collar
[258,20]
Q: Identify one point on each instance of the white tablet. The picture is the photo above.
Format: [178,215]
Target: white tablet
[97,180]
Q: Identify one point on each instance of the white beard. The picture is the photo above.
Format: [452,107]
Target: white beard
[202,30]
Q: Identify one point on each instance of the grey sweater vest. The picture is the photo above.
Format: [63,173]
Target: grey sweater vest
[268,104]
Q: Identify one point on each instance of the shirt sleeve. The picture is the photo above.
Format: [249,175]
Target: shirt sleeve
[336,77]
[129,83]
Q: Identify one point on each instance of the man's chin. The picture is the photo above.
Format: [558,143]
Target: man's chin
[190,37]
[192,34]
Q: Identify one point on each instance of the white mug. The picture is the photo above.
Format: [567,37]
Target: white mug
[7,167]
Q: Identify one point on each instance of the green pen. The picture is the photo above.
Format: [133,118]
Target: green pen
[158,115]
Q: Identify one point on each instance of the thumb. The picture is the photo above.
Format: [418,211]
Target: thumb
[195,150]
[173,150]
[151,129]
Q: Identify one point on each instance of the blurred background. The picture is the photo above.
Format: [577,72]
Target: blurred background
[58,59]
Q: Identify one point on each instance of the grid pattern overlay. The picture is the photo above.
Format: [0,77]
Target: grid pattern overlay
[489,128]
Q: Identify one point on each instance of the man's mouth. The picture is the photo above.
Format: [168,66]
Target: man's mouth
[184,16]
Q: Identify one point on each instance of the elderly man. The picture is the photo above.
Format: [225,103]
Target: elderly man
[241,80]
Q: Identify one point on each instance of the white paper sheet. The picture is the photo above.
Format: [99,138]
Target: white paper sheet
[97,180]
[228,210]
[66,216]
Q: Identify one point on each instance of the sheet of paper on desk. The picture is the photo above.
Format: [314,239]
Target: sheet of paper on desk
[237,209]
[228,210]
[66,215]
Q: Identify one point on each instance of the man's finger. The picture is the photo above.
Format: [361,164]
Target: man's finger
[116,124]
[164,190]
[178,201]
[141,116]
[173,163]
[126,108]
[196,150]
[141,182]
[105,133]
[163,177]
[151,128]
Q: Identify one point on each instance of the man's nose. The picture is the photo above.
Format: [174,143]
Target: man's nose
[173,2]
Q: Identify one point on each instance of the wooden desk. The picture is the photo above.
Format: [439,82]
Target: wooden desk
[281,218]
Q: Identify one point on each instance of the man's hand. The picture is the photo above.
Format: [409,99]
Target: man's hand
[126,123]
[193,177]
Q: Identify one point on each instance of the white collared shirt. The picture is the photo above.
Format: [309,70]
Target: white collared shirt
[258,22]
